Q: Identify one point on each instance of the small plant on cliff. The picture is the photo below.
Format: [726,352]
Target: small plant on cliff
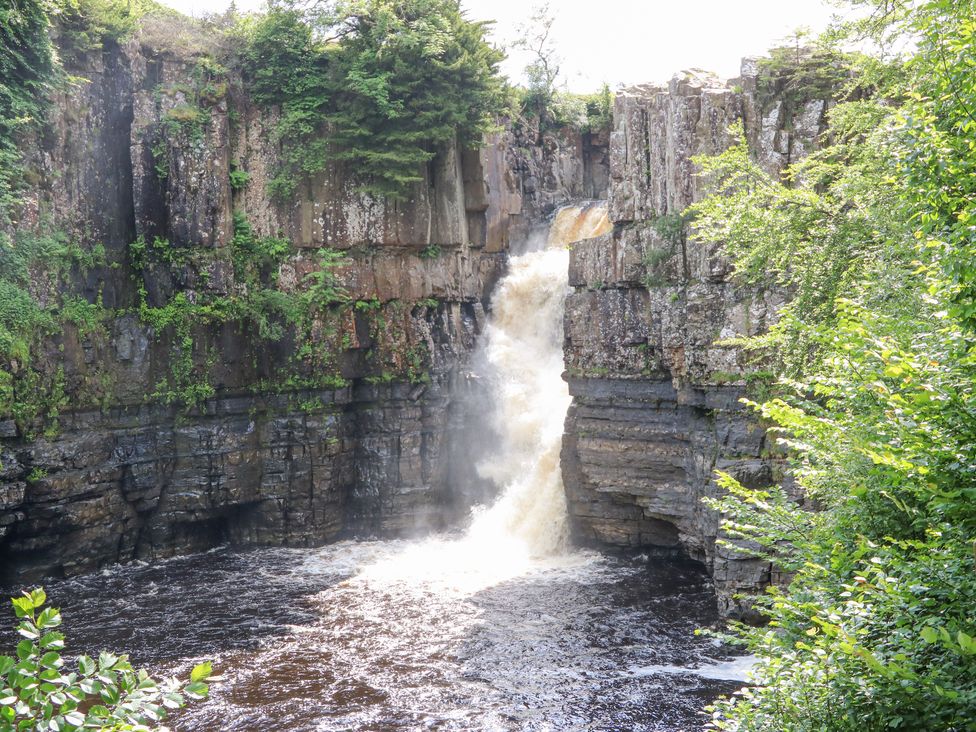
[323,283]
[431,251]
[40,691]
[238,178]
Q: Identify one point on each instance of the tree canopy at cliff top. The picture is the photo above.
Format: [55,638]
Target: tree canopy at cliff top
[391,80]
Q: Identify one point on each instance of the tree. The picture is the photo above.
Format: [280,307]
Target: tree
[542,72]
[379,84]
[873,235]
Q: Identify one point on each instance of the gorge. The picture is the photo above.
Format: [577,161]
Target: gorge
[295,449]
[416,435]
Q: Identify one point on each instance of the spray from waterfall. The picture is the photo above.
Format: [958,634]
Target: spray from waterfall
[524,360]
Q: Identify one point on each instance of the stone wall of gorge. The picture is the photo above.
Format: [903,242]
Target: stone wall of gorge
[655,391]
[290,448]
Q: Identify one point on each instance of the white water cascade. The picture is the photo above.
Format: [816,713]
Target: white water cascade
[527,524]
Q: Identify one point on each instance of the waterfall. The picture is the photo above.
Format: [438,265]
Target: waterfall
[525,356]
[522,353]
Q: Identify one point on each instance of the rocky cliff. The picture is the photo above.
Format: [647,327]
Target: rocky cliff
[176,433]
[655,388]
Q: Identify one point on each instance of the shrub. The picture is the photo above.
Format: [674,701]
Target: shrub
[40,691]
[872,235]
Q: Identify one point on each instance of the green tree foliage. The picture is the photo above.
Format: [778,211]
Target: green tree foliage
[389,80]
[544,95]
[39,691]
[85,26]
[27,69]
[876,629]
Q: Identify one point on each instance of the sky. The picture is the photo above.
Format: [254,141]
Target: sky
[624,42]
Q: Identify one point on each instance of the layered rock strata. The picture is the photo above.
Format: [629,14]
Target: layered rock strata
[143,150]
[655,390]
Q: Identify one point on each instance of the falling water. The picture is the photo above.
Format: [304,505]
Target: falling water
[523,358]
[503,627]
[524,351]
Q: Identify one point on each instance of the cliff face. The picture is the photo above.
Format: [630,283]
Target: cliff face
[655,392]
[286,447]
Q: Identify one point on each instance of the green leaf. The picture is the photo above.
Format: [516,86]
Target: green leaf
[201,671]
[76,719]
[929,635]
[53,641]
[24,649]
[23,606]
[49,618]
[966,642]
[196,690]
[109,694]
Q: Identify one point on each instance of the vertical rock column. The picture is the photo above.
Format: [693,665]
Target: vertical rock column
[655,392]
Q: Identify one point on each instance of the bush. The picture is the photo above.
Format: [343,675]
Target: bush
[396,81]
[39,691]
[872,236]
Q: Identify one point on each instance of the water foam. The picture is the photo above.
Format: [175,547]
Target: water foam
[527,524]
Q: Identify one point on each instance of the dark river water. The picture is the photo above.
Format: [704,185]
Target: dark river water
[413,636]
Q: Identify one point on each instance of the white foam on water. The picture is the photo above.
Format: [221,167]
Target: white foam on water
[736,669]
[526,527]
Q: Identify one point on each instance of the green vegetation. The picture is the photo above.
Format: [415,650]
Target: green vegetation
[86,26]
[544,95]
[801,73]
[255,301]
[34,269]
[40,691]
[391,81]
[30,68]
[27,69]
[238,178]
[673,230]
[873,236]
[431,251]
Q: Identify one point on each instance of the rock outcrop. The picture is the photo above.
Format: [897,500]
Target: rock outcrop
[289,449]
[655,392]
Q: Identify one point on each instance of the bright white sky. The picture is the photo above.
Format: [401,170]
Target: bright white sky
[631,41]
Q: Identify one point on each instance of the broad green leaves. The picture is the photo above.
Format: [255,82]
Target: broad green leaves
[39,692]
